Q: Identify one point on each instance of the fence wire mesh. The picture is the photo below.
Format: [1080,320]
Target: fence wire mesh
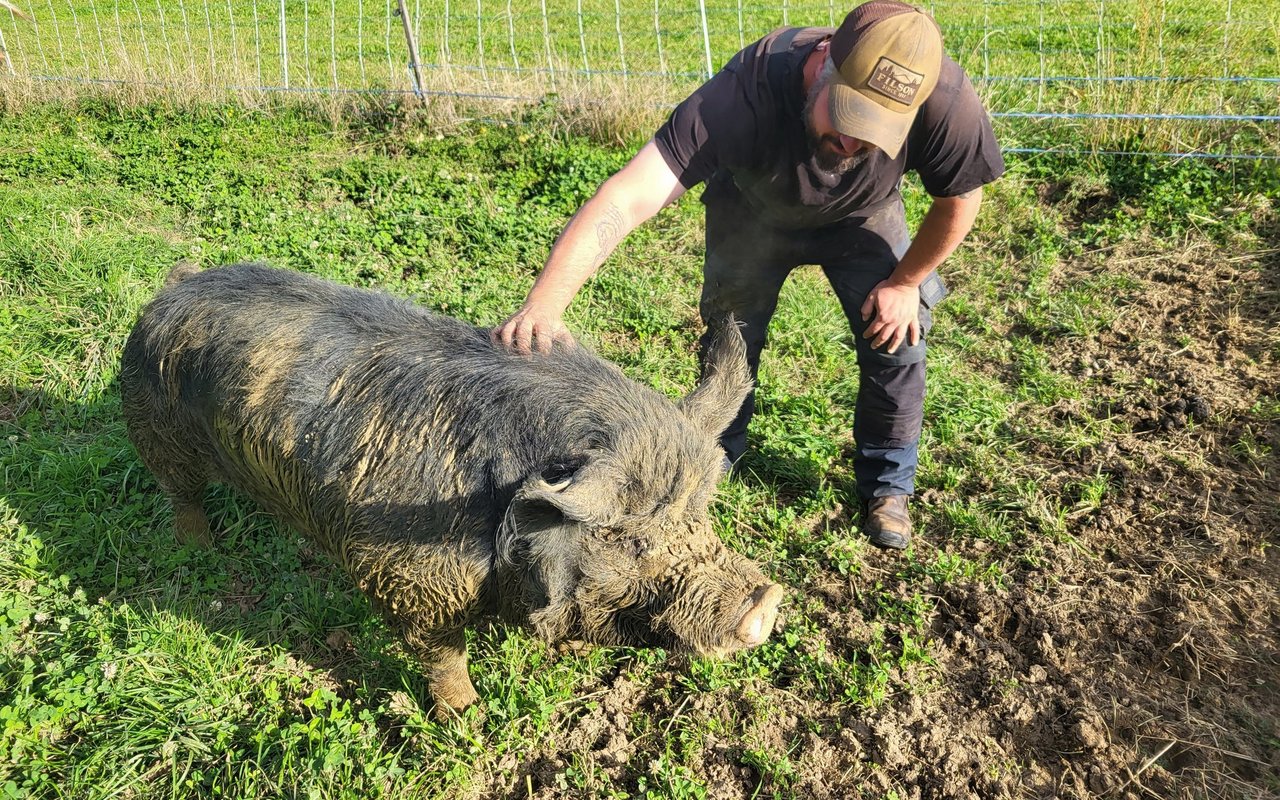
[1192,77]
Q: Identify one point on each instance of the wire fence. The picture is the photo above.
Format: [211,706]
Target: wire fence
[1181,77]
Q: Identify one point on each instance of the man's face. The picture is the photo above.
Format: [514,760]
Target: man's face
[832,151]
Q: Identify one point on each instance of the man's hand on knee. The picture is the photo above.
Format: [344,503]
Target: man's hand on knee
[896,310]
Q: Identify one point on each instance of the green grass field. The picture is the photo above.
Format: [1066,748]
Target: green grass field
[131,667]
[1215,58]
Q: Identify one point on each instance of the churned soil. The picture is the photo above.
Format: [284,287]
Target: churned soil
[1136,657]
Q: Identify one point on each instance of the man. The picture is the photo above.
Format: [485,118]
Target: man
[802,140]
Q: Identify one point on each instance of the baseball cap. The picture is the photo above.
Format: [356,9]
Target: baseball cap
[887,57]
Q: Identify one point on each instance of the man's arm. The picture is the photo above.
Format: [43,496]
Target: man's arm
[634,194]
[895,301]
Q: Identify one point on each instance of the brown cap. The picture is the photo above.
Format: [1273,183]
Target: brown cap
[887,57]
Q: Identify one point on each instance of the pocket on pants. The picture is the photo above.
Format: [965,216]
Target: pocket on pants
[932,291]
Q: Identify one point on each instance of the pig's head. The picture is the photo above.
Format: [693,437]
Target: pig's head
[616,545]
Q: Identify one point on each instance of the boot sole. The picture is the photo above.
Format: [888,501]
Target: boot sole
[889,541]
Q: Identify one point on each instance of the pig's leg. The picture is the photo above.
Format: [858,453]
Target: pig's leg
[445,659]
[190,525]
[183,480]
[429,598]
[166,443]
[185,485]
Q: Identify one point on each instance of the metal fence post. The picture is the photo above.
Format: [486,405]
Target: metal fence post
[4,54]
[284,47]
[546,43]
[706,36]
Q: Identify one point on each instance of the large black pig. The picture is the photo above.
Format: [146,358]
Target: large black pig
[451,478]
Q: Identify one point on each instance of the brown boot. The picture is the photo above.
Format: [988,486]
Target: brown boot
[887,522]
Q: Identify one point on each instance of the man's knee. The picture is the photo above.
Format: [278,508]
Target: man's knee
[890,408]
[879,358]
[932,291]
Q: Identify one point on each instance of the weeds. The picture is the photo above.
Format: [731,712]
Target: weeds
[131,665]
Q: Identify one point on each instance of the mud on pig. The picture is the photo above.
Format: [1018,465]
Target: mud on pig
[451,478]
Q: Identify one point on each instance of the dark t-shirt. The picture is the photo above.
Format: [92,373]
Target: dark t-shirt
[743,133]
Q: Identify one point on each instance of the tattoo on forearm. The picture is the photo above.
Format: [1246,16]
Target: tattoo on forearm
[609,231]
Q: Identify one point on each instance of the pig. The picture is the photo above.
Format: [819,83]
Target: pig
[452,479]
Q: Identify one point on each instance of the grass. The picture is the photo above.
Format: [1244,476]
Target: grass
[628,61]
[130,667]
[357,45]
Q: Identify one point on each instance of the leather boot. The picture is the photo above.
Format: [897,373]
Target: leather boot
[888,523]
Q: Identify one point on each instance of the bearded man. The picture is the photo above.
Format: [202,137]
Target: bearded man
[802,141]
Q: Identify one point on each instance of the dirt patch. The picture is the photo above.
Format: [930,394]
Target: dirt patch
[1136,656]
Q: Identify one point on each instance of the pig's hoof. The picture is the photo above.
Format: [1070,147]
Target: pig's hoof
[453,696]
[197,538]
[190,525]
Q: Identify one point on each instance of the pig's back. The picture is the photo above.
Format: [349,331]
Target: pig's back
[346,412]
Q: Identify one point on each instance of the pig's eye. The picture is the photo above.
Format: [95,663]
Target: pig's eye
[560,473]
[637,548]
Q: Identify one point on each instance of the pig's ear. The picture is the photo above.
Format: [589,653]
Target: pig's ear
[726,380]
[534,540]
[570,492]
[587,493]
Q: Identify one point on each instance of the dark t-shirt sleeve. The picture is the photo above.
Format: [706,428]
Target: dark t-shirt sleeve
[952,145]
[714,128]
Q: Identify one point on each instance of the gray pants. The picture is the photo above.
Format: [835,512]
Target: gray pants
[745,267]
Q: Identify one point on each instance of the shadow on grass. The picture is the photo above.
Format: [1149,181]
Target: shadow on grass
[74,480]
[790,476]
[1264,304]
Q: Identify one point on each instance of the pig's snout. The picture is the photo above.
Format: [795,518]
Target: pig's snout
[762,609]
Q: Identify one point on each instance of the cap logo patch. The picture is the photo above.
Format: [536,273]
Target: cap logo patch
[895,81]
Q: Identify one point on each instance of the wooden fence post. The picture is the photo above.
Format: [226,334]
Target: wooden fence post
[415,62]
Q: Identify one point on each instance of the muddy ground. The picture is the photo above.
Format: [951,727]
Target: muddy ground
[1137,658]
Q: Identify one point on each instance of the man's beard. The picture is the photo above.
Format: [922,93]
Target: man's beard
[825,148]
